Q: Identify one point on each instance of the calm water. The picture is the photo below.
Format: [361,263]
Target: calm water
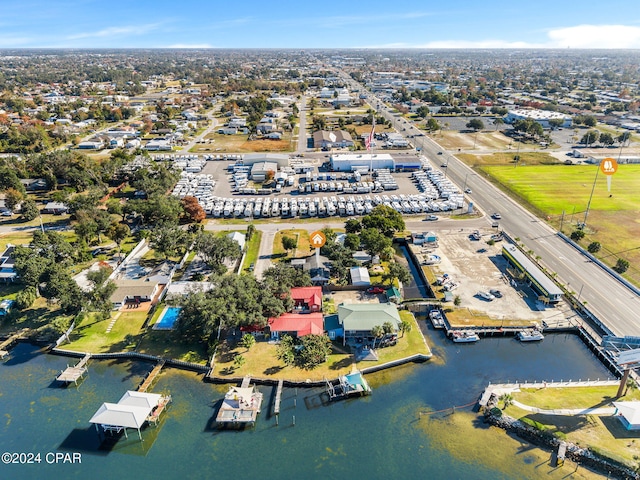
[373,437]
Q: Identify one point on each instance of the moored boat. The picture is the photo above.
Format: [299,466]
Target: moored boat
[530,335]
[464,336]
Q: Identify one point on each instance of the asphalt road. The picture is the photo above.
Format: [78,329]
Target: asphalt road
[612,302]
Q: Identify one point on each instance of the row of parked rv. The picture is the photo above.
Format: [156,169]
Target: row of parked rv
[172,157]
[433,184]
[199,186]
[324,206]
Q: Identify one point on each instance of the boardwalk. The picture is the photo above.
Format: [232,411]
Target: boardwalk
[144,386]
[75,373]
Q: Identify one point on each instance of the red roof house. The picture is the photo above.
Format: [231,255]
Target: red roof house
[307,299]
[297,325]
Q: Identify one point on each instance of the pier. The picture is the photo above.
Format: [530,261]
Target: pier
[146,383]
[75,373]
[6,345]
[276,403]
[348,386]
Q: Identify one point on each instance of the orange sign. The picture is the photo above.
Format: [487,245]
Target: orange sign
[609,166]
[317,239]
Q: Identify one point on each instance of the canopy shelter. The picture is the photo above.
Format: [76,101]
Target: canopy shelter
[629,414]
[131,411]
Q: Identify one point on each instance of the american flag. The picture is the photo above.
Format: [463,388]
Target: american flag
[369,140]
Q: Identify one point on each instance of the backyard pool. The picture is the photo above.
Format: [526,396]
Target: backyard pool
[167,318]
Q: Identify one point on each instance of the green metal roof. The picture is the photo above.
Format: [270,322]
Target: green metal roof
[365,316]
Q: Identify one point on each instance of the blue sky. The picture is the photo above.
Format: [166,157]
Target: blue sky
[305,24]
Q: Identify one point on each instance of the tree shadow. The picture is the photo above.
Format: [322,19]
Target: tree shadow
[344,363]
[273,370]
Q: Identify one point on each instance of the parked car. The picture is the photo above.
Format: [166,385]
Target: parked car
[431,218]
[496,293]
[251,267]
[467,191]
[375,290]
[486,296]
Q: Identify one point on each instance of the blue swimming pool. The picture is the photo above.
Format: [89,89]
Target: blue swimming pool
[167,318]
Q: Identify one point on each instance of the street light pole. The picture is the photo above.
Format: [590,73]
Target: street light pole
[586,213]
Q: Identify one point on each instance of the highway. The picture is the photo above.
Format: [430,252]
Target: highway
[612,302]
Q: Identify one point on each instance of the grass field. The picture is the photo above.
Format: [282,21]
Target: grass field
[253,248]
[91,335]
[604,434]
[506,158]
[239,144]
[484,140]
[614,218]
[303,247]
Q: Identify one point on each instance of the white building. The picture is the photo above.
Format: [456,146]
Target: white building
[350,162]
[540,116]
[360,277]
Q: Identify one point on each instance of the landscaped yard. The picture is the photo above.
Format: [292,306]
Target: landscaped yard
[261,360]
[604,434]
[40,316]
[253,248]
[91,335]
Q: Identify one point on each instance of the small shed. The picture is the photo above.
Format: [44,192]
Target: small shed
[393,294]
[629,414]
[359,277]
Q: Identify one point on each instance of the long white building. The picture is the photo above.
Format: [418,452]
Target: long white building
[540,116]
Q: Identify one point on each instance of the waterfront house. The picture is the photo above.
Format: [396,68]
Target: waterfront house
[358,319]
[133,292]
[296,325]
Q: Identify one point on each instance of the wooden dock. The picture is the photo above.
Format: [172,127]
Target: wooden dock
[4,346]
[154,416]
[276,405]
[562,452]
[240,406]
[245,382]
[144,386]
[75,373]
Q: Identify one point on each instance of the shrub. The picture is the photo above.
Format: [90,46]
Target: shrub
[594,247]
[621,265]
[577,235]
[26,297]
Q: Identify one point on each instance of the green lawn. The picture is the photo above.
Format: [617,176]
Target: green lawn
[603,434]
[45,319]
[506,158]
[302,248]
[161,343]
[91,335]
[253,247]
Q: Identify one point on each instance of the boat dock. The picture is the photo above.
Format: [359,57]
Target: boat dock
[75,373]
[146,383]
[4,346]
[240,406]
[154,416]
[348,386]
[276,403]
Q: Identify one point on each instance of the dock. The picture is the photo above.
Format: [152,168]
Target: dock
[276,404]
[154,416]
[146,383]
[4,346]
[75,373]
[350,385]
[240,406]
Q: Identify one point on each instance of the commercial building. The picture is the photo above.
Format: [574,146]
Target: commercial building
[259,170]
[538,280]
[361,161]
[282,160]
[540,116]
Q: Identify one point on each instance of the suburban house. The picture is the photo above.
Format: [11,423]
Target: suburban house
[296,325]
[335,139]
[358,319]
[181,289]
[307,299]
[56,208]
[317,267]
[306,317]
[134,292]
[239,238]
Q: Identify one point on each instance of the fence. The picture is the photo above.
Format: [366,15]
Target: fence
[65,335]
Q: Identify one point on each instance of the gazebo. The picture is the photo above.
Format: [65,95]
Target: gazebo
[131,411]
[629,414]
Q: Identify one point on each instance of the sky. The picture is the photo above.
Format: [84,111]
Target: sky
[308,24]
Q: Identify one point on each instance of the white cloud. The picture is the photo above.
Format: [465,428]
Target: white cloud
[579,36]
[596,36]
[112,31]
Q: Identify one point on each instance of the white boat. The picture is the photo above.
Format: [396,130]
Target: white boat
[530,335]
[436,319]
[464,336]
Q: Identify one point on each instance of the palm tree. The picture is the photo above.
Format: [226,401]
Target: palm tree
[377,332]
[497,122]
[405,326]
